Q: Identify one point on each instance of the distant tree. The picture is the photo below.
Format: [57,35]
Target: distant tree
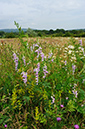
[67,34]
[31,33]
[40,34]
[10,35]
[51,31]
[2,33]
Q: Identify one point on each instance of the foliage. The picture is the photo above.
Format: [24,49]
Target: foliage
[41,33]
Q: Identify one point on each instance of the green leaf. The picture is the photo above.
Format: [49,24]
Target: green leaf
[26,98]
[70,106]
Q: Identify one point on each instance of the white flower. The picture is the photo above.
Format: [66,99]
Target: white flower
[69,52]
[79,48]
[71,47]
[73,58]
[66,48]
[76,51]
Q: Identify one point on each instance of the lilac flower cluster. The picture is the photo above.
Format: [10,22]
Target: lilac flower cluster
[35,45]
[24,60]
[15,60]
[80,41]
[73,67]
[27,46]
[75,91]
[65,62]
[37,71]
[45,71]
[39,52]
[50,55]
[24,76]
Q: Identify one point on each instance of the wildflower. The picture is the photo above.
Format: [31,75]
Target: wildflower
[24,60]
[66,98]
[24,77]
[76,126]
[80,41]
[52,60]
[5,126]
[31,48]
[53,99]
[45,71]
[36,45]
[27,46]
[69,52]
[83,81]
[73,67]
[82,105]
[61,106]
[71,47]
[37,71]
[38,51]
[50,54]
[65,62]
[75,93]
[66,48]
[15,60]
[73,58]
[42,55]
[58,119]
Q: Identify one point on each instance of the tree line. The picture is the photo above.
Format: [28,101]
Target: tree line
[40,33]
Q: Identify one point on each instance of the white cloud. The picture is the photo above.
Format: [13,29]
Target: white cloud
[42,13]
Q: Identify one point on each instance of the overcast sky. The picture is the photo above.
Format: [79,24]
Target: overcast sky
[43,14]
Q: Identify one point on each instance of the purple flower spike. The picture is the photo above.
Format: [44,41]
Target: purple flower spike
[53,99]
[24,75]
[45,71]
[15,60]
[24,60]
[37,71]
[76,126]
[65,62]
[73,67]
[80,41]
[5,126]
[61,106]
[58,119]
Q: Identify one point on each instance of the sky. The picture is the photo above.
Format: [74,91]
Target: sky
[42,14]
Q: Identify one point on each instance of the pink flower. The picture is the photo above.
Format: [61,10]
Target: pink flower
[58,119]
[76,126]
[66,98]
[61,106]
[5,126]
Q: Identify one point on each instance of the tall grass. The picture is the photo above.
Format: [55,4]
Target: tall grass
[42,86]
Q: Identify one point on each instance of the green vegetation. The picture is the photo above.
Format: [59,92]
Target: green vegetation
[41,33]
[42,86]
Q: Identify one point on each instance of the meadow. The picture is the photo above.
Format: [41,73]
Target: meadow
[42,83]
